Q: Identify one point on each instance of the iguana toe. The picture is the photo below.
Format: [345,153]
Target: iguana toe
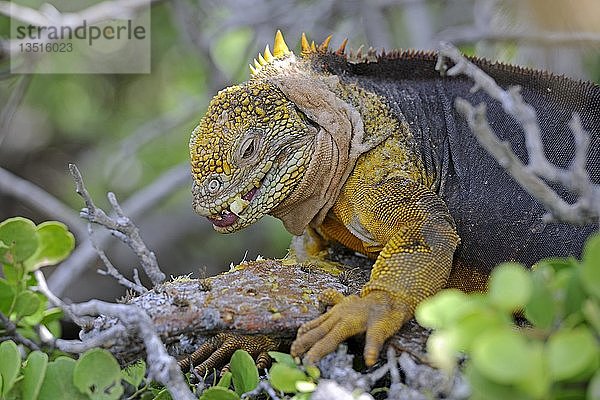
[373,313]
[216,352]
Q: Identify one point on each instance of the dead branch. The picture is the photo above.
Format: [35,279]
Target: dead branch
[531,176]
[471,34]
[122,227]
[166,184]
[132,321]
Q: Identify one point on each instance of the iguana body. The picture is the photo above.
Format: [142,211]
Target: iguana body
[369,152]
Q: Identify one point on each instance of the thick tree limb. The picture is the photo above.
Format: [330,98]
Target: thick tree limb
[530,176]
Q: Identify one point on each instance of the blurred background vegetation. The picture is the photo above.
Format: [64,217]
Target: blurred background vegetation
[129,133]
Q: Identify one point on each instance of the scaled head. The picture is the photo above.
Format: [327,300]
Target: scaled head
[250,147]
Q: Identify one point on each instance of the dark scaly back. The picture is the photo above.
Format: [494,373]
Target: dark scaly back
[496,219]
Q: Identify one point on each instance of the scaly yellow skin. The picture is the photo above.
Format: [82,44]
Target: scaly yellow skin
[249,153]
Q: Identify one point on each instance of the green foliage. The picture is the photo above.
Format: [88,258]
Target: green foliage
[285,376]
[244,372]
[98,375]
[24,248]
[557,356]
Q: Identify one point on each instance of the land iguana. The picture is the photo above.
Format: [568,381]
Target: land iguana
[366,150]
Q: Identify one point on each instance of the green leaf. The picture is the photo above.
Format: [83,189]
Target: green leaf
[502,356]
[484,388]
[219,393]
[10,365]
[590,268]
[541,308]
[20,235]
[442,310]
[134,373]
[97,374]
[575,294]
[7,295]
[537,382]
[282,358]
[225,380]
[284,378]
[244,372]
[33,375]
[55,244]
[58,382]
[510,286]
[27,303]
[11,273]
[571,353]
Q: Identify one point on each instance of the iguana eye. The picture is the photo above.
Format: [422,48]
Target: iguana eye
[213,185]
[248,148]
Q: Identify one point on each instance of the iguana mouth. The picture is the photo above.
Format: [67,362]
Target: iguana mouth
[230,216]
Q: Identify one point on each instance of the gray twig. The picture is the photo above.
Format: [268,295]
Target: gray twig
[470,34]
[166,184]
[10,329]
[121,227]
[161,366]
[530,176]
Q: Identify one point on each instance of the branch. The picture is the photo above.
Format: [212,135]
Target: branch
[121,227]
[71,269]
[133,321]
[530,176]
[48,15]
[11,330]
[470,34]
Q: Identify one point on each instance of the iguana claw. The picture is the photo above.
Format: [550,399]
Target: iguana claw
[373,313]
[217,351]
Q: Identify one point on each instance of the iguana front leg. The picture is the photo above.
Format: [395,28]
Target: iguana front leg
[418,238]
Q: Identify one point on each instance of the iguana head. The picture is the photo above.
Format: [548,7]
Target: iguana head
[250,148]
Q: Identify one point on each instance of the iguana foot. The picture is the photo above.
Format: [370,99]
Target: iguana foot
[376,313]
[217,351]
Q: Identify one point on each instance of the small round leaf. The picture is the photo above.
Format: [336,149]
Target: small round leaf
[55,244]
[7,296]
[10,365]
[284,378]
[134,373]
[571,352]
[33,375]
[510,286]
[97,374]
[244,372]
[20,235]
[58,382]
[441,310]
[502,356]
[26,304]
[219,393]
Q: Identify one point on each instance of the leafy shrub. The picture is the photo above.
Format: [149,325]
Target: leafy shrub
[555,356]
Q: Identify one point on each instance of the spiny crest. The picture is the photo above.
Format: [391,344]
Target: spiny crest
[280,51]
